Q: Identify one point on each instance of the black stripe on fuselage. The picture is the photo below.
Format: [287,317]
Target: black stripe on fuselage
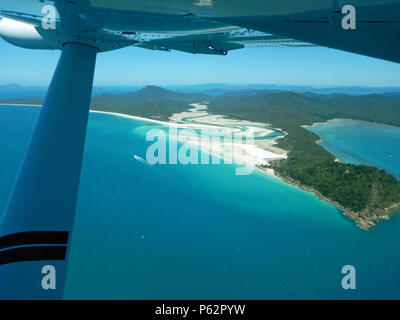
[35,253]
[34,237]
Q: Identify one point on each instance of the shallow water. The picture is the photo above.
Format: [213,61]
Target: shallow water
[361,142]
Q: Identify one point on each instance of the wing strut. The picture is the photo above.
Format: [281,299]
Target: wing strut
[35,230]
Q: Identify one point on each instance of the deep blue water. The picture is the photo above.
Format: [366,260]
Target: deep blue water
[200,231]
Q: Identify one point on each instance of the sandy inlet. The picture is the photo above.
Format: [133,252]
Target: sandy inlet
[260,149]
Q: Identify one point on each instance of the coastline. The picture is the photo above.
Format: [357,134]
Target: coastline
[361,222]
[253,155]
[314,124]
[259,153]
[98,111]
[127,116]
[348,120]
[178,121]
[20,105]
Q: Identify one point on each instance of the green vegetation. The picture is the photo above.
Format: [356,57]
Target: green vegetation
[150,102]
[366,191]
[355,187]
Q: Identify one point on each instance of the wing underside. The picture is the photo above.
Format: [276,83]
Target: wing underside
[219,26]
[218,42]
[221,43]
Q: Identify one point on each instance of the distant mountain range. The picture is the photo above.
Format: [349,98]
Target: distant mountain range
[16,91]
[221,88]
[160,103]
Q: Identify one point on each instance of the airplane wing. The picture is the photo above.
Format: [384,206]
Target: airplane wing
[213,43]
[375,31]
[218,26]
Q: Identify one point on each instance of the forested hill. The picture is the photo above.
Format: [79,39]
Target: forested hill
[151,101]
[310,107]
[367,194]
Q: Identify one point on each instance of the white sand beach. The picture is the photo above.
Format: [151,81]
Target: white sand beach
[259,150]
[20,105]
[254,148]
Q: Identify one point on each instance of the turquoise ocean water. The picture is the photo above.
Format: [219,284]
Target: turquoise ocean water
[202,232]
[361,142]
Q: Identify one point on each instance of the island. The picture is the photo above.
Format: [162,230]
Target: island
[363,193]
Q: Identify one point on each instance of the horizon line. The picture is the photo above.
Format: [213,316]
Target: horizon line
[216,84]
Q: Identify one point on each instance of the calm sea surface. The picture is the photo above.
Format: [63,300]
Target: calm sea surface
[361,142]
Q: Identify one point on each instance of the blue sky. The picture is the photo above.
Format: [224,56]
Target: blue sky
[136,66]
